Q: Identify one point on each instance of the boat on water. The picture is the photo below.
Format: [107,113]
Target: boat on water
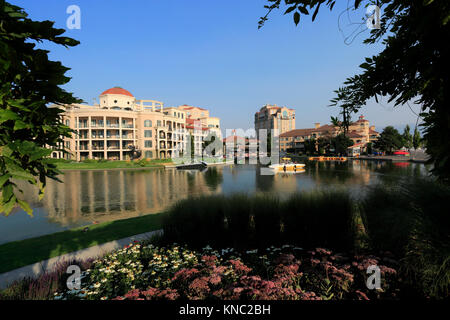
[286,166]
[327,159]
[193,166]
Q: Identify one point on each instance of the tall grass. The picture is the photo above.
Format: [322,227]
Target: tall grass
[319,218]
[412,221]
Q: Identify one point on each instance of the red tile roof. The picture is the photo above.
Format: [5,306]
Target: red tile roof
[307,132]
[354,134]
[117,90]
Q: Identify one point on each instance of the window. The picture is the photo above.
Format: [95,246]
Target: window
[148,143]
[158,123]
[147,133]
[149,154]
[115,101]
[68,123]
[147,123]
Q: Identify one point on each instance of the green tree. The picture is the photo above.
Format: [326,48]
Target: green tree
[389,140]
[417,139]
[310,146]
[369,148]
[407,138]
[29,130]
[413,65]
[346,102]
[340,143]
[323,145]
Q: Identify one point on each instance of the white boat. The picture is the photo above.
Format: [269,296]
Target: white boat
[288,167]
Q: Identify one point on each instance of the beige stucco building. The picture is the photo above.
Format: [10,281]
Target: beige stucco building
[360,132]
[272,117]
[119,121]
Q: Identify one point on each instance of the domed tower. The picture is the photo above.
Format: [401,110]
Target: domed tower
[117,98]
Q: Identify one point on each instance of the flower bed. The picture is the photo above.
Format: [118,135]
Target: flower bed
[147,272]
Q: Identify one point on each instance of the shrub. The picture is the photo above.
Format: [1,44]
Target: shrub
[244,222]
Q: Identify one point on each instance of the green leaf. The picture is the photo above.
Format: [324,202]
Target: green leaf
[315,12]
[26,207]
[6,115]
[290,9]
[303,10]
[9,205]
[41,153]
[4,178]
[19,125]
[296,18]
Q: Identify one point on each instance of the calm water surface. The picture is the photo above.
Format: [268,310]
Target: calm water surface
[88,197]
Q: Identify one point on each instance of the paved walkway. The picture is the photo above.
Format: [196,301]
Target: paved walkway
[38,268]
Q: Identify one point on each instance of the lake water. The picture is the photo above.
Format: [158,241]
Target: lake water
[88,197]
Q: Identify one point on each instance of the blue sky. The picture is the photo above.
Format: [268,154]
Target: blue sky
[210,54]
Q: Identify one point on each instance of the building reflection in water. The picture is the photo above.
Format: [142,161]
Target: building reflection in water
[86,197]
[99,196]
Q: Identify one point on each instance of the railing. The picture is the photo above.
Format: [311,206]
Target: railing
[112,125]
[129,126]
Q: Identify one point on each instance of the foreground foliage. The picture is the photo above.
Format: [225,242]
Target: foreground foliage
[143,271]
[28,82]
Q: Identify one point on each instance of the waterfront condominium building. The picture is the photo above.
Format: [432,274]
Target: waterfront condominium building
[200,125]
[273,117]
[360,132]
[119,121]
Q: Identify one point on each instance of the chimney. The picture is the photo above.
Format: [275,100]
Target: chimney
[317,125]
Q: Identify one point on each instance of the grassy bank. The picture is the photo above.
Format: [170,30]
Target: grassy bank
[104,164]
[17,254]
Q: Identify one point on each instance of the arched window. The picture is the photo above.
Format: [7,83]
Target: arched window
[68,122]
[147,123]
